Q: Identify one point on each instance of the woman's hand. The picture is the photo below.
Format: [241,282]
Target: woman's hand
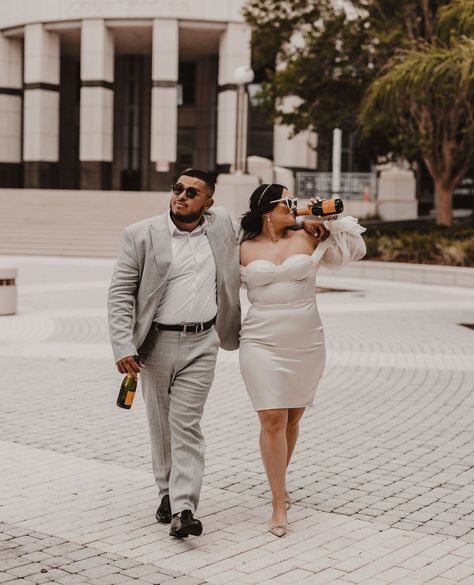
[313,201]
[316,229]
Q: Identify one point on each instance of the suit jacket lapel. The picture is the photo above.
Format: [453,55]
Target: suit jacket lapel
[217,246]
[161,241]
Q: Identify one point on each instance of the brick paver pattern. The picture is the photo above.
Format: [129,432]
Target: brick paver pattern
[382,479]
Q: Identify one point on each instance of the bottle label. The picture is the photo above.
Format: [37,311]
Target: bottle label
[328,206]
[129,398]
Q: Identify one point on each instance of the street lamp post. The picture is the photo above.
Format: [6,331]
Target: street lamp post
[243,75]
[336,161]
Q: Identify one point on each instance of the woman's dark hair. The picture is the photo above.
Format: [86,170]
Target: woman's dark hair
[259,203]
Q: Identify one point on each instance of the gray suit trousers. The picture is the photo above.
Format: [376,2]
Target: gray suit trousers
[178,373]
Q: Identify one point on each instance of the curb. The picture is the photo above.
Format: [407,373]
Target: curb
[400,271]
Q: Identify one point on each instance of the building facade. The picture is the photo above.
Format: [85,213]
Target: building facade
[122,94]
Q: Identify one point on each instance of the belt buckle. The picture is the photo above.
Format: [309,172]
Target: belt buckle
[194,327]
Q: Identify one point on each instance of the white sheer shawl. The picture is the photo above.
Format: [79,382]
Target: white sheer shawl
[343,245]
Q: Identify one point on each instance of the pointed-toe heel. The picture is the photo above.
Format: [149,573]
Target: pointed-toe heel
[280,529]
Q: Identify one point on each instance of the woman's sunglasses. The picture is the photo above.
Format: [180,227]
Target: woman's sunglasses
[178,188]
[291,202]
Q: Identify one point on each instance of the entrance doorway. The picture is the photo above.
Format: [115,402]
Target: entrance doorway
[131,115]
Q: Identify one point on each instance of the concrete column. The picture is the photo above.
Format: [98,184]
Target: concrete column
[41,107]
[396,194]
[234,50]
[11,93]
[298,152]
[164,94]
[206,105]
[97,105]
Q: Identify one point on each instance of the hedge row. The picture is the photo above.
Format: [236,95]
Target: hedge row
[427,245]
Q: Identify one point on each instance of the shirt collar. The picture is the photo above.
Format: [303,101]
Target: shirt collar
[197,231]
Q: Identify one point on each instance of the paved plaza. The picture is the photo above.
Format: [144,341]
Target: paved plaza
[383,475]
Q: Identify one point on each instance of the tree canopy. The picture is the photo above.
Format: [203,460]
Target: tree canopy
[427,92]
[344,46]
[376,66]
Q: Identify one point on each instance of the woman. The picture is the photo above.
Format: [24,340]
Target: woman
[282,350]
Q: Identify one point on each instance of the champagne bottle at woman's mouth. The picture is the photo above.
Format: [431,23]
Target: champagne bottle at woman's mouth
[323,207]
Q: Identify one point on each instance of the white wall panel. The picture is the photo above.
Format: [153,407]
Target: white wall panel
[165,52]
[96,124]
[164,123]
[41,125]
[97,51]
[11,57]
[41,55]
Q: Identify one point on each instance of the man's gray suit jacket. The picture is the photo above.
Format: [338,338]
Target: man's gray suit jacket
[141,273]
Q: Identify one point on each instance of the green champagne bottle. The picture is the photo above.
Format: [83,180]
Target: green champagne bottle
[127,389]
[322,208]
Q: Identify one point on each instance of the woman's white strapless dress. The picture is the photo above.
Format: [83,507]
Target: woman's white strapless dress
[282,351]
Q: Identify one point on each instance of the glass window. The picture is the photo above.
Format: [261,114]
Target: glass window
[187,84]
[186,147]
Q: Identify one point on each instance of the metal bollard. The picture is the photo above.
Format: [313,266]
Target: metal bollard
[8,297]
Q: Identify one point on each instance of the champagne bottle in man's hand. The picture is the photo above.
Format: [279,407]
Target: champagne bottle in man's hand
[128,389]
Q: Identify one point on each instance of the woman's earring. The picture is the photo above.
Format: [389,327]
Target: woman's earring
[269,218]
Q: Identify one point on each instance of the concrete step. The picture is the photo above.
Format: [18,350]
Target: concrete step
[71,223]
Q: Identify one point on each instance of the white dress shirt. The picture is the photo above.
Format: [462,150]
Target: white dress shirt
[190,295]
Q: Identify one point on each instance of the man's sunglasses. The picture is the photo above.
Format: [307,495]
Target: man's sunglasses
[291,202]
[178,188]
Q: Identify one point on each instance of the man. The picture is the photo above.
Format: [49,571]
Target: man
[174,299]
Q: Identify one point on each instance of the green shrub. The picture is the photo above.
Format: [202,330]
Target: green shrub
[468,249]
[426,245]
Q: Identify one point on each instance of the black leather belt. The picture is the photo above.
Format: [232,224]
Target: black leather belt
[186,327]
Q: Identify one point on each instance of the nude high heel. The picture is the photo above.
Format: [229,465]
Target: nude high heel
[280,529]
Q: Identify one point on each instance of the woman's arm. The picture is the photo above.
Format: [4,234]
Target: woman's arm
[343,245]
[245,252]
[314,230]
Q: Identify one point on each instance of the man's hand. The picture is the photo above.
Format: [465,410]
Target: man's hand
[316,229]
[128,365]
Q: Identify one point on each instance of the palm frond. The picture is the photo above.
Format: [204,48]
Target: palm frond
[455,19]
[418,76]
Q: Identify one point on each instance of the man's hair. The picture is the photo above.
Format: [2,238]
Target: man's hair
[202,176]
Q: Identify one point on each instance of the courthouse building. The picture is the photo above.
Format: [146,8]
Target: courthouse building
[121,94]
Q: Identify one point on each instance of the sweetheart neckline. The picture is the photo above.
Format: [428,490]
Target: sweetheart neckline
[273,263]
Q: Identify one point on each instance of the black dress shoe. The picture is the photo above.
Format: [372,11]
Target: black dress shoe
[163,514]
[185,524]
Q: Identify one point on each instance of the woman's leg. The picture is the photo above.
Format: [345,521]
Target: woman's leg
[292,430]
[274,452]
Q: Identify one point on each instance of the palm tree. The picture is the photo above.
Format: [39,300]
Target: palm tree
[426,96]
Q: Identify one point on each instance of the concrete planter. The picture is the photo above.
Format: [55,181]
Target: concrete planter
[399,271]
[8,295]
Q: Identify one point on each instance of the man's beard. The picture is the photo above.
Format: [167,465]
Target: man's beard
[188,218]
